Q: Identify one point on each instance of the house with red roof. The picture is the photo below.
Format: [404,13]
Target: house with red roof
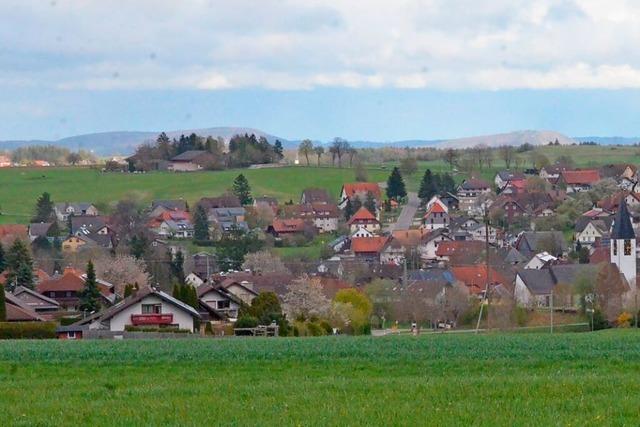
[363,219]
[579,180]
[18,311]
[65,289]
[10,232]
[368,248]
[467,251]
[437,216]
[478,277]
[359,190]
[289,227]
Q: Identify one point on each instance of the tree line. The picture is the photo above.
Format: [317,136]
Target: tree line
[243,150]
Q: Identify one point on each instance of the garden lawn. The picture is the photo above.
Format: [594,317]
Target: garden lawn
[452,379]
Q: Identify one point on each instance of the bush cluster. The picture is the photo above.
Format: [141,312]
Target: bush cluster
[27,330]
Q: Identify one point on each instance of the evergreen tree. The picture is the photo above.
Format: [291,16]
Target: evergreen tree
[200,224]
[177,290]
[395,185]
[19,266]
[448,184]
[192,296]
[348,210]
[370,203]
[177,266]
[437,183]
[128,290]
[427,186]
[3,305]
[44,209]
[138,245]
[242,190]
[278,149]
[3,261]
[90,295]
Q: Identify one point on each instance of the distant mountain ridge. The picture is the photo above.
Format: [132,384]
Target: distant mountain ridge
[125,142]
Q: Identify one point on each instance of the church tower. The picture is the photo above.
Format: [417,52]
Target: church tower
[623,244]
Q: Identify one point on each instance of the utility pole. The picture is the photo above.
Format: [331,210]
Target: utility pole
[404,273]
[551,310]
[485,298]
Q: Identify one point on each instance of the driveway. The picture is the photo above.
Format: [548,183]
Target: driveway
[405,220]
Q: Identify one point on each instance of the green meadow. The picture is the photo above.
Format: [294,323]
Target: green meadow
[445,379]
[20,187]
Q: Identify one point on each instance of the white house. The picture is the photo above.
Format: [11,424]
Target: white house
[63,210]
[436,200]
[220,301]
[148,307]
[540,260]
[194,280]
[362,232]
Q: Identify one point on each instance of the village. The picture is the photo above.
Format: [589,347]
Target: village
[558,239]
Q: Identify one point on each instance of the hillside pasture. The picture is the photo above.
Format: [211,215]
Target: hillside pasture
[20,187]
[442,379]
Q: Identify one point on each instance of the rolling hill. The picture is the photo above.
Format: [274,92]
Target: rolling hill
[125,142]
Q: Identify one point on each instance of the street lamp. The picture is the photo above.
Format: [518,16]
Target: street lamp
[590,298]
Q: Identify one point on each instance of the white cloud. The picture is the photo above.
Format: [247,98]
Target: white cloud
[212,45]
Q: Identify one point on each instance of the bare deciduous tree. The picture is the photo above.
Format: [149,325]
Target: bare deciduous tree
[507,154]
[264,262]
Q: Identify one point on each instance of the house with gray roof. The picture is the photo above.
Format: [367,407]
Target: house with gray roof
[192,160]
[64,210]
[534,288]
[530,243]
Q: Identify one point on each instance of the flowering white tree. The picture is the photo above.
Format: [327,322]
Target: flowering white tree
[305,299]
[122,270]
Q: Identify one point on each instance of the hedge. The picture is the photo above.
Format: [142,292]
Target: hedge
[131,328]
[27,330]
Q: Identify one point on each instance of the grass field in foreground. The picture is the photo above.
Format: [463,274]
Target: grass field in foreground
[501,379]
[20,187]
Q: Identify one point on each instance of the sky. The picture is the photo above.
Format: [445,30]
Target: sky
[375,70]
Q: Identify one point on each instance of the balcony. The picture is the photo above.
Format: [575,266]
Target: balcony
[151,319]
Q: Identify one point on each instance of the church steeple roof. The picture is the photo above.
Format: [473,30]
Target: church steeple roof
[622,228]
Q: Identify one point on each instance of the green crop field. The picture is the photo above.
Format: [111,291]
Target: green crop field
[20,187]
[495,379]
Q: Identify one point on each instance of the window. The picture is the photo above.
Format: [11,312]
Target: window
[224,304]
[151,308]
[615,247]
[71,335]
[627,247]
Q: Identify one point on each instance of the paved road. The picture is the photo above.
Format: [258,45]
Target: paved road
[405,220]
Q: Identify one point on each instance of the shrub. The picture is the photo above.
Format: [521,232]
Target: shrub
[327,327]
[65,321]
[314,329]
[520,315]
[27,330]
[624,320]
[599,321]
[131,328]
[247,322]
